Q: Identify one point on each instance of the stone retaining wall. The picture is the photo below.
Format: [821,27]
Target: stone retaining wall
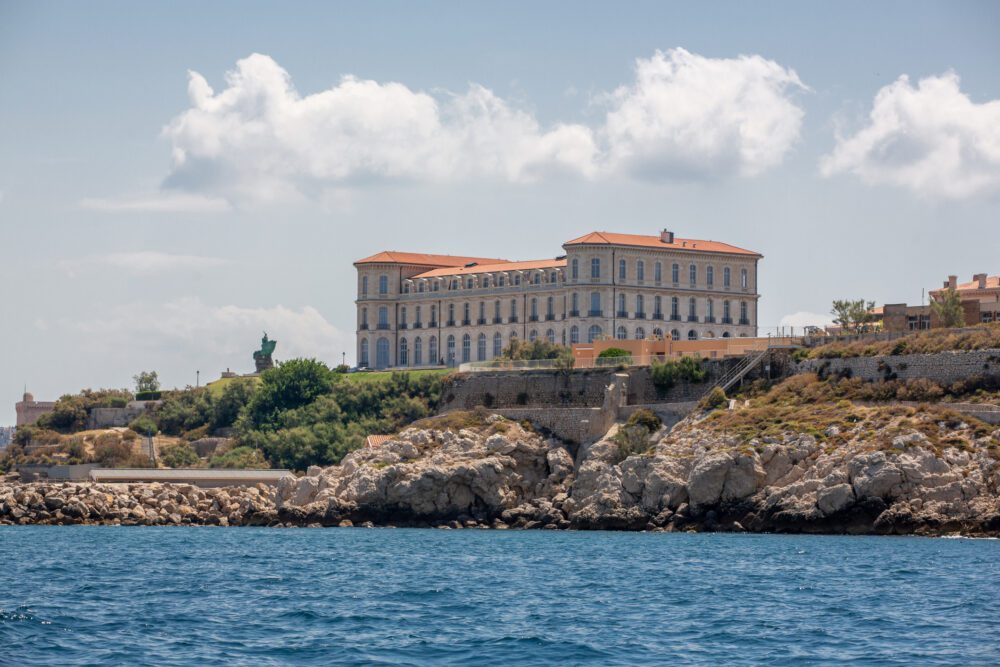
[942,367]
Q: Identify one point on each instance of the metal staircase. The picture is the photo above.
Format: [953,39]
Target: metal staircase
[747,364]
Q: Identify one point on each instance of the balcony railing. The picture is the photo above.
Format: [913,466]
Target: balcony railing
[727,320]
[497,320]
[533,318]
[513,319]
[549,317]
[450,323]
[744,321]
[481,320]
[418,325]
[622,313]
[574,313]
[657,316]
[710,319]
[402,325]
[675,317]
[466,323]
[364,326]
[692,318]
[640,316]
[432,324]
[383,326]
[595,313]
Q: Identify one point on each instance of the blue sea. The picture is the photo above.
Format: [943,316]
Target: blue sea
[210,596]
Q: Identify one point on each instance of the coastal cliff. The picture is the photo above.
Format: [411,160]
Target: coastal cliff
[806,455]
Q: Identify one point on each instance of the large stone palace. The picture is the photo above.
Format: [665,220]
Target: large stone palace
[428,310]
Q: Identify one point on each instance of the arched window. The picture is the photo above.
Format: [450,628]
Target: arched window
[574,268]
[550,336]
[382,353]
[675,308]
[364,285]
[383,317]
[658,333]
[595,267]
[710,276]
[622,269]
[517,279]
[593,333]
[554,277]
[692,309]
[502,281]
[537,278]
[743,278]
[402,316]
[640,333]
[466,348]
[383,284]
[406,288]
[726,277]
[486,281]
[420,286]
[432,352]
[497,344]
[640,270]
[418,352]
[451,351]
[436,285]
[404,353]
[726,334]
[621,333]
[640,306]
[469,282]
[675,334]
[621,306]
[574,335]
[675,273]
[693,275]
[481,347]
[532,336]
[658,272]
[692,335]
[363,362]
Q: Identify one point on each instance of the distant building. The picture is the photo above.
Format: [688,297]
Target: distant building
[429,310]
[980,302]
[6,436]
[29,410]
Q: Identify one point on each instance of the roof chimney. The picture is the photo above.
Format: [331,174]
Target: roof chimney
[952,282]
[666,236]
[980,278]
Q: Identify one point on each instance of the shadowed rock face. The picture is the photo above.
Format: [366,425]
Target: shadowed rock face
[501,475]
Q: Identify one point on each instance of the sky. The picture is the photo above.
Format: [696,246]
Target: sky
[177,177]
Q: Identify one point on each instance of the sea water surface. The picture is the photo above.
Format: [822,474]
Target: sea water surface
[211,596]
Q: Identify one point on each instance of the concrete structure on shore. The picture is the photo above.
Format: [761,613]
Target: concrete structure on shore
[29,410]
[418,310]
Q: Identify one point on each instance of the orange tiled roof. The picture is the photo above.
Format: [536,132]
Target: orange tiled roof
[641,240]
[494,266]
[992,282]
[376,440]
[422,259]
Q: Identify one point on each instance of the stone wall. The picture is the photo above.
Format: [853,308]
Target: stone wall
[527,389]
[942,367]
[112,417]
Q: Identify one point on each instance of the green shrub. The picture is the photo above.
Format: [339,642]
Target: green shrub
[111,451]
[148,395]
[181,455]
[714,399]
[613,353]
[71,410]
[239,458]
[144,425]
[645,417]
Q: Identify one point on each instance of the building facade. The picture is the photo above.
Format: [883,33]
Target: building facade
[416,310]
[29,410]
[980,300]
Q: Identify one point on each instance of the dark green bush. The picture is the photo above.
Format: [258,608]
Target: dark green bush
[613,353]
[181,455]
[714,399]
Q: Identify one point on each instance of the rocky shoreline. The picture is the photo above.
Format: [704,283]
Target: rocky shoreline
[499,474]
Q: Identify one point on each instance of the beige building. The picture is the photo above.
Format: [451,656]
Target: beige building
[980,303]
[418,310]
[28,410]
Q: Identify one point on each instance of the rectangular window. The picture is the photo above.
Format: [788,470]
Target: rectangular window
[693,275]
[657,272]
[595,268]
[675,273]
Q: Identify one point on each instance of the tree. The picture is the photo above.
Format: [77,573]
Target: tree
[852,315]
[227,407]
[146,381]
[293,384]
[181,455]
[948,308]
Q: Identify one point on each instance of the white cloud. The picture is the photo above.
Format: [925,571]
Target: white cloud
[160,202]
[259,139]
[144,262]
[803,319]
[687,115]
[930,138]
[192,330]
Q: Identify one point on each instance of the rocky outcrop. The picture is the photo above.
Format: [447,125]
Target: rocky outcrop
[154,504]
[499,474]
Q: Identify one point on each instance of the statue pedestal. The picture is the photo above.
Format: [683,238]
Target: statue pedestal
[262,362]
